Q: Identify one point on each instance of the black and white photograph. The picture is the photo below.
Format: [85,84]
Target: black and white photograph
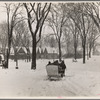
[49,49]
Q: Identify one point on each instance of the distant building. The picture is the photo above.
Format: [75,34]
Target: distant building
[22,53]
[47,53]
[41,53]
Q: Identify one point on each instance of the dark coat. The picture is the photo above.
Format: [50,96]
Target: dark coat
[63,65]
[0,58]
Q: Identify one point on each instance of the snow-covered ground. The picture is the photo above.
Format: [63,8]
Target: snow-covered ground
[81,80]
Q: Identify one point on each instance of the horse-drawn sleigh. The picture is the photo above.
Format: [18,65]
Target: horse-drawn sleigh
[56,70]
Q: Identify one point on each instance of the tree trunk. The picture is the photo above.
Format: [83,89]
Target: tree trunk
[83,38]
[90,53]
[10,31]
[7,59]
[94,48]
[84,53]
[16,63]
[87,52]
[8,52]
[33,65]
[59,45]
[75,49]
[75,55]
[90,47]
[16,60]
[75,43]
[84,47]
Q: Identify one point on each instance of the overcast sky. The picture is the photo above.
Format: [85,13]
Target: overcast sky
[2,13]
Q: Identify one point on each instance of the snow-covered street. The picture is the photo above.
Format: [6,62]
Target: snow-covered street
[81,80]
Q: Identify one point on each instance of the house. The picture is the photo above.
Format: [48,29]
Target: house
[41,53]
[47,53]
[21,53]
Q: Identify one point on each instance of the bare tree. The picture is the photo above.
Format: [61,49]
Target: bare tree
[72,29]
[25,38]
[80,18]
[91,38]
[26,42]
[93,10]
[16,44]
[3,37]
[57,21]
[36,13]
[67,39]
[13,17]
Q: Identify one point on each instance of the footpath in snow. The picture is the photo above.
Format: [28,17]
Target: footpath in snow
[81,80]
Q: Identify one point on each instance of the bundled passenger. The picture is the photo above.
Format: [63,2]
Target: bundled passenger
[63,67]
[49,63]
[56,62]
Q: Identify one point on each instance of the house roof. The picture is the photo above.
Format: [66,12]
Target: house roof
[12,50]
[21,50]
[49,50]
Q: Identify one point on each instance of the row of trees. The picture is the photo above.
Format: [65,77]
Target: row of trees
[80,19]
[66,22]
